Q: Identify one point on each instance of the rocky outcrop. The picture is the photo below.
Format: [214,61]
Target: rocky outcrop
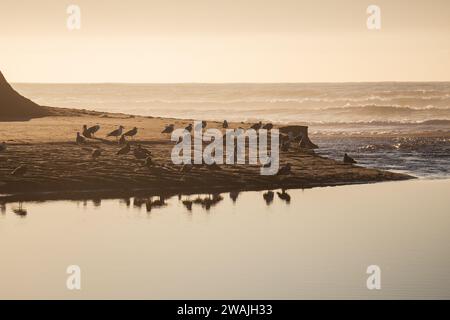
[15,107]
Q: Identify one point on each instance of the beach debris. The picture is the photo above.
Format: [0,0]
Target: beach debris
[268,126]
[225,124]
[284,170]
[131,133]
[96,153]
[20,170]
[116,133]
[257,126]
[3,146]
[186,168]
[125,149]
[348,159]
[80,139]
[268,196]
[168,129]
[86,132]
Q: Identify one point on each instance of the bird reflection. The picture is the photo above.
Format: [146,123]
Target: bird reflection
[209,201]
[234,195]
[283,195]
[268,197]
[97,202]
[2,207]
[20,211]
[159,202]
[127,201]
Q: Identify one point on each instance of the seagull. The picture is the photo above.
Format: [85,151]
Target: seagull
[96,153]
[348,159]
[3,146]
[189,127]
[131,133]
[122,140]
[92,130]
[201,125]
[168,129]
[257,126]
[125,149]
[141,153]
[268,126]
[225,124]
[86,132]
[116,133]
[20,170]
[80,139]
[284,170]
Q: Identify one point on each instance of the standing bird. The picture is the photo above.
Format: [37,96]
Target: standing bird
[189,127]
[225,124]
[96,153]
[20,170]
[3,146]
[284,170]
[125,149]
[283,195]
[268,126]
[141,153]
[268,197]
[257,126]
[148,162]
[86,132]
[92,130]
[80,139]
[131,133]
[122,140]
[168,129]
[348,159]
[116,133]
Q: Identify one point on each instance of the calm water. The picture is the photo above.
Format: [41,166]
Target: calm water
[318,245]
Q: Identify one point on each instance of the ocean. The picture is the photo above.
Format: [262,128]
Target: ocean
[404,127]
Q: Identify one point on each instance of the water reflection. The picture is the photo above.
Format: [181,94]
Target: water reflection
[204,201]
[20,211]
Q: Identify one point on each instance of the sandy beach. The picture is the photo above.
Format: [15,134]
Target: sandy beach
[57,167]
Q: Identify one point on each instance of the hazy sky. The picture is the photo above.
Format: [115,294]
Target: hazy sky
[224,41]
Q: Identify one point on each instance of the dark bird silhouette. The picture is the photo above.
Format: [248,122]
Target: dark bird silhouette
[80,139]
[257,126]
[348,159]
[268,126]
[148,162]
[284,170]
[168,129]
[116,133]
[131,133]
[225,124]
[268,163]
[141,153]
[189,127]
[234,195]
[284,196]
[20,170]
[125,149]
[92,130]
[188,204]
[3,147]
[122,140]
[268,196]
[86,132]
[96,153]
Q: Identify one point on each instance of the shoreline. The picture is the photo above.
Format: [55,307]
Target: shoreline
[58,167]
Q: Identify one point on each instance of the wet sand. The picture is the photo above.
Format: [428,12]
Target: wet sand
[58,168]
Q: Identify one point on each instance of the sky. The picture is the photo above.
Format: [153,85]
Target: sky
[168,41]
